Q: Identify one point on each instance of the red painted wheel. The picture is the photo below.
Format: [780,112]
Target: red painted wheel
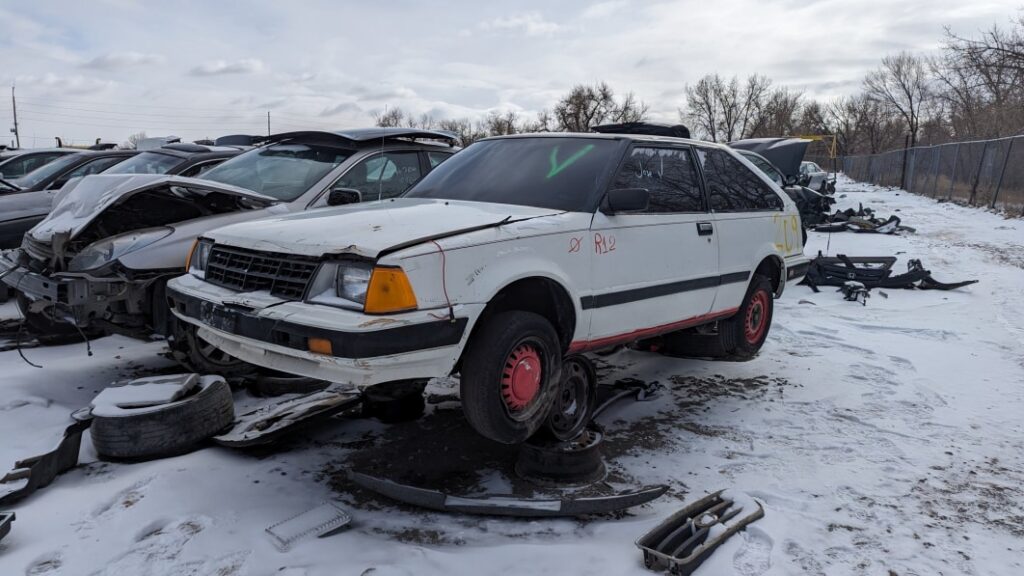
[756,321]
[521,378]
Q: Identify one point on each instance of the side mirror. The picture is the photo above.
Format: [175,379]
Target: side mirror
[791,180]
[343,196]
[625,200]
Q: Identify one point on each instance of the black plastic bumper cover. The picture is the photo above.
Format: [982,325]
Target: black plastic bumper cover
[383,342]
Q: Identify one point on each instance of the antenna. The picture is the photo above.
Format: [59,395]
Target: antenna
[383,161]
[14,108]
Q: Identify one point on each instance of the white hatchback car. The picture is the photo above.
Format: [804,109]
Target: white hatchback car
[514,254]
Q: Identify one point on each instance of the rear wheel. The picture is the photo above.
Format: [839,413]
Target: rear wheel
[743,334]
[510,375]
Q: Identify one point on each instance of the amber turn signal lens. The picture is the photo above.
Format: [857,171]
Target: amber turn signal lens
[389,291]
[191,252]
[320,346]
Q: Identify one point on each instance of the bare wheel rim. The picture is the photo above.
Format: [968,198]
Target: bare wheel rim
[573,405]
[756,322]
[522,376]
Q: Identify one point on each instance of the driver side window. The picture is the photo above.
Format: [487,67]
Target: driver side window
[387,175]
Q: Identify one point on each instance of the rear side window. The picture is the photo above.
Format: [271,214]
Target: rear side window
[732,187]
[17,167]
[437,157]
[668,174]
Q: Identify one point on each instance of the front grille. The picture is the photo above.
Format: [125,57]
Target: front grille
[283,275]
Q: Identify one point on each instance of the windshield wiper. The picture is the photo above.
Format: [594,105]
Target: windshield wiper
[10,185]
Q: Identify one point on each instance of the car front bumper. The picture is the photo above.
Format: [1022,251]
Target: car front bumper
[365,349]
[75,298]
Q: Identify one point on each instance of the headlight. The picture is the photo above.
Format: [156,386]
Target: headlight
[198,257]
[110,249]
[352,281]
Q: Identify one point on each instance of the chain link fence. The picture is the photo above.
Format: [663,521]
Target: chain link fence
[986,173]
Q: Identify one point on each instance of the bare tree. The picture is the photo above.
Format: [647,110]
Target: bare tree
[702,106]
[587,106]
[391,118]
[463,128]
[902,85]
[133,141]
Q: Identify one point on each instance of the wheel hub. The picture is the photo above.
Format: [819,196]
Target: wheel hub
[757,317]
[521,377]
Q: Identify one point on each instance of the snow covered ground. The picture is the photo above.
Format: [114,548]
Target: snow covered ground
[882,439]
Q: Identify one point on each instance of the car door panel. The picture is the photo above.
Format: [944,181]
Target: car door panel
[658,269]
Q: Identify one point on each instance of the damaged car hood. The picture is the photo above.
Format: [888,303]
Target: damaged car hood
[81,201]
[785,153]
[368,229]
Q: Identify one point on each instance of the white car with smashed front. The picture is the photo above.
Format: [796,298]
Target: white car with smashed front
[514,254]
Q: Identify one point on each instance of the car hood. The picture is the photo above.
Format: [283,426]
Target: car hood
[370,229]
[82,200]
[785,153]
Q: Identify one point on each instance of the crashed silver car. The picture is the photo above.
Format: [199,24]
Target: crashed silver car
[103,256]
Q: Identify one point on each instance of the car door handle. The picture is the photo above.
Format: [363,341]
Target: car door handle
[705,229]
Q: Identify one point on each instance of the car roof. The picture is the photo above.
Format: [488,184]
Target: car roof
[182,150]
[362,136]
[611,136]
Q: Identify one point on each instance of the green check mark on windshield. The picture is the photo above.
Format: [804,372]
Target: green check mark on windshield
[556,167]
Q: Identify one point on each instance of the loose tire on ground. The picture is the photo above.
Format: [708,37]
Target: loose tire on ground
[167,430]
[743,334]
[510,373]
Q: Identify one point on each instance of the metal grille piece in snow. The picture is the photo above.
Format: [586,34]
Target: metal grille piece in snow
[321,521]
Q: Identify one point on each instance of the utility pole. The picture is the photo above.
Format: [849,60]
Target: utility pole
[14,107]
[268,122]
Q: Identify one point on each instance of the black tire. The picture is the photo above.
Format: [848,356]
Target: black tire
[273,383]
[201,357]
[502,396]
[169,430]
[43,327]
[574,404]
[744,333]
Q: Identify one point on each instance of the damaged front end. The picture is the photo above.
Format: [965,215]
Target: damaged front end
[107,267]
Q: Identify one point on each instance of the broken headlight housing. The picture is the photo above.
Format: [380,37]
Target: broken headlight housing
[103,252]
[198,257]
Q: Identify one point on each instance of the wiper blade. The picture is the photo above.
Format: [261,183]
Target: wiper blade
[9,184]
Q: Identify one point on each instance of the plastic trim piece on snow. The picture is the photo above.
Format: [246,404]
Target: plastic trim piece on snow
[5,523]
[269,422]
[39,471]
[507,505]
[324,520]
[687,538]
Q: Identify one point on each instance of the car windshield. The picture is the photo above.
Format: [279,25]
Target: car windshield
[282,171]
[546,172]
[44,173]
[145,163]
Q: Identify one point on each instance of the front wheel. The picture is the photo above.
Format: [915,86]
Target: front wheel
[511,371]
[743,334]
[195,353]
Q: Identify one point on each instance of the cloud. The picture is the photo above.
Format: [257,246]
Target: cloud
[57,84]
[364,93]
[115,60]
[529,23]
[223,67]
[342,108]
[604,9]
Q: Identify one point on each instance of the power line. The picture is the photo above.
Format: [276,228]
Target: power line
[118,113]
[114,122]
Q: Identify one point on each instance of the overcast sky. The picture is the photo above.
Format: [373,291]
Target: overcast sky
[110,68]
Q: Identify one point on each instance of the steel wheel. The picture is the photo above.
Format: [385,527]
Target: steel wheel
[756,321]
[574,405]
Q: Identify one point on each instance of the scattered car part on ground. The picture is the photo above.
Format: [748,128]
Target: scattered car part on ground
[26,201]
[687,538]
[6,518]
[508,505]
[142,393]
[271,383]
[855,292]
[161,430]
[391,402]
[320,521]
[861,220]
[575,401]
[562,462]
[38,472]
[640,390]
[873,272]
[273,420]
[105,253]
[499,282]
